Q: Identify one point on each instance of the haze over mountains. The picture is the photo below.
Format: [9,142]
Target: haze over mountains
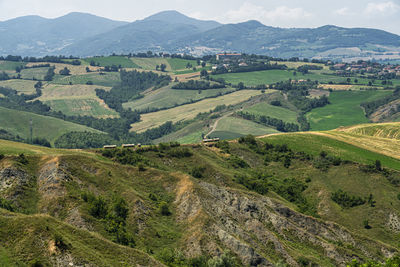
[82,34]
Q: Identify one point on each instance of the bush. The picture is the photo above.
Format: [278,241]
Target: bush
[141,167]
[22,159]
[60,243]
[345,200]
[181,152]
[164,209]
[6,204]
[225,260]
[2,156]
[98,208]
[197,172]
[237,162]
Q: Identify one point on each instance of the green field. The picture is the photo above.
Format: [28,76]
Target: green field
[34,73]
[344,109]
[124,62]
[82,107]
[106,79]
[264,109]
[167,97]
[17,123]
[22,86]
[10,65]
[150,63]
[180,64]
[314,144]
[232,127]
[274,76]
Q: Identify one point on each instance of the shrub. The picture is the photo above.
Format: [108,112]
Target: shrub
[2,156]
[6,204]
[180,152]
[197,172]
[366,224]
[22,159]
[345,200]
[237,162]
[141,167]
[98,208]
[60,243]
[164,209]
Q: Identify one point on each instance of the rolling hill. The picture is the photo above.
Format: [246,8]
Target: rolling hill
[173,32]
[258,202]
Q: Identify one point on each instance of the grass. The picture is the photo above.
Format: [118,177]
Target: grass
[180,64]
[274,76]
[190,111]
[232,127]
[107,79]
[76,100]
[313,144]
[124,62]
[22,86]
[344,109]
[383,130]
[17,123]
[35,73]
[273,111]
[166,97]
[10,65]
[83,107]
[150,63]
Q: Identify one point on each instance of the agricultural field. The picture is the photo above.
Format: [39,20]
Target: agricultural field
[190,111]
[17,123]
[125,62]
[295,65]
[22,86]
[150,63]
[167,97]
[344,109]
[10,65]
[34,73]
[76,100]
[108,79]
[232,127]
[180,64]
[273,76]
[265,109]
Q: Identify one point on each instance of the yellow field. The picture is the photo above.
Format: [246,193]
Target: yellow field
[22,86]
[57,91]
[75,70]
[190,111]
[339,87]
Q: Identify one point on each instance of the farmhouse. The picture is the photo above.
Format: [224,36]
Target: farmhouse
[128,145]
[110,147]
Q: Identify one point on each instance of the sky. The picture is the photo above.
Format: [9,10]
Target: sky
[380,14]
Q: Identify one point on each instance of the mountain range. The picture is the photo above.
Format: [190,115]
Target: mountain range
[82,34]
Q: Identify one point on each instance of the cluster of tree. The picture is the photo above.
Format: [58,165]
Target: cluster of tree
[324,161]
[161,67]
[50,74]
[268,121]
[112,68]
[83,140]
[111,213]
[392,262]
[197,85]
[346,200]
[65,71]
[5,135]
[4,76]
[304,69]
[371,107]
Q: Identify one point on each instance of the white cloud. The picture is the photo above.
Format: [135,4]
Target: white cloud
[345,11]
[249,11]
[382,8]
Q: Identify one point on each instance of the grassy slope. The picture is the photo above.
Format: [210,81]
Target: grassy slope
[76,100]
[231,127]
[9,65]
[150,63]
[108,79]
[35,73]
[189,111]
[22,86]
[273,111]
[112,60]
[344,109]
[167,97]
[17,123]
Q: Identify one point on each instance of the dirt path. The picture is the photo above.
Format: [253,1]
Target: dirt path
[214,126]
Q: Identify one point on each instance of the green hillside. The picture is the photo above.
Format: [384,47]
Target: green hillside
[17,123]
[196,205]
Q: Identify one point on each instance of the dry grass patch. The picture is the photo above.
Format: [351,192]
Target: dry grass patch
[75,70]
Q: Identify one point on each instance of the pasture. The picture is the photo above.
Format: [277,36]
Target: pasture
[10,65]
[22,86]
[166,97]
[344,109]
[190,111]
[150,63]
[17,123]
[34,74]
[265,109]
[108,79]
[124,62]
[232,127]
[313,144]
[76,100]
